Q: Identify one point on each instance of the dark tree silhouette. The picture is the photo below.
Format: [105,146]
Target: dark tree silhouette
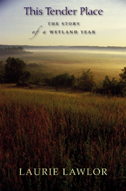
[123,75]
[86,81]
[15,71]
[1,72]
[62,80]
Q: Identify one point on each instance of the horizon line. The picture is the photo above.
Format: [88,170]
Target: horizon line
[66,46]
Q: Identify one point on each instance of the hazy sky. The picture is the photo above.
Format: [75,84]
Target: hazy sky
[16,27]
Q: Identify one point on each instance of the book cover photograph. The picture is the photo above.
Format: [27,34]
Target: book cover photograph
[62,95]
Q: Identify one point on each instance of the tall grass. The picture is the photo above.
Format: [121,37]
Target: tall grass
[56,130]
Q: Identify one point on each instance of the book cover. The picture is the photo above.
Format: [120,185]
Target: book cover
[62,95]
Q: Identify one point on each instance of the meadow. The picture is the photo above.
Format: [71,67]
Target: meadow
[53,62]
[40,129]
[48,129]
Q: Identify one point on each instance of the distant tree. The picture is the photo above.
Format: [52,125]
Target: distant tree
[110,87]
[15,71]
[1,72]
[122,81]
[62,80]
[123,75]
[20,48]
[86,81]
[109,84]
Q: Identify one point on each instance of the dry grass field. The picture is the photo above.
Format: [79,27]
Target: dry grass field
[40,129]
[47,129]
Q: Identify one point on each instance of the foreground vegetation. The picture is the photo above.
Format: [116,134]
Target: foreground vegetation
[44,129]
[41,129]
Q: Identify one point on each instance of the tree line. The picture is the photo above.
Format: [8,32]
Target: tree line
[14,71]
[11,50]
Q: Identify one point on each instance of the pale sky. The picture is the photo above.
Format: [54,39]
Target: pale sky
[16,27]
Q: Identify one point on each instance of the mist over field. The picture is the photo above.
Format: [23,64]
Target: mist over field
[45,127]
[52,61]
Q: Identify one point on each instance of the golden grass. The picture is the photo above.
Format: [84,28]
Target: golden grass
[53,129]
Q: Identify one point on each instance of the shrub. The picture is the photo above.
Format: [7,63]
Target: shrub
[111,87]
[86,81]
[62,80]
[1,72]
